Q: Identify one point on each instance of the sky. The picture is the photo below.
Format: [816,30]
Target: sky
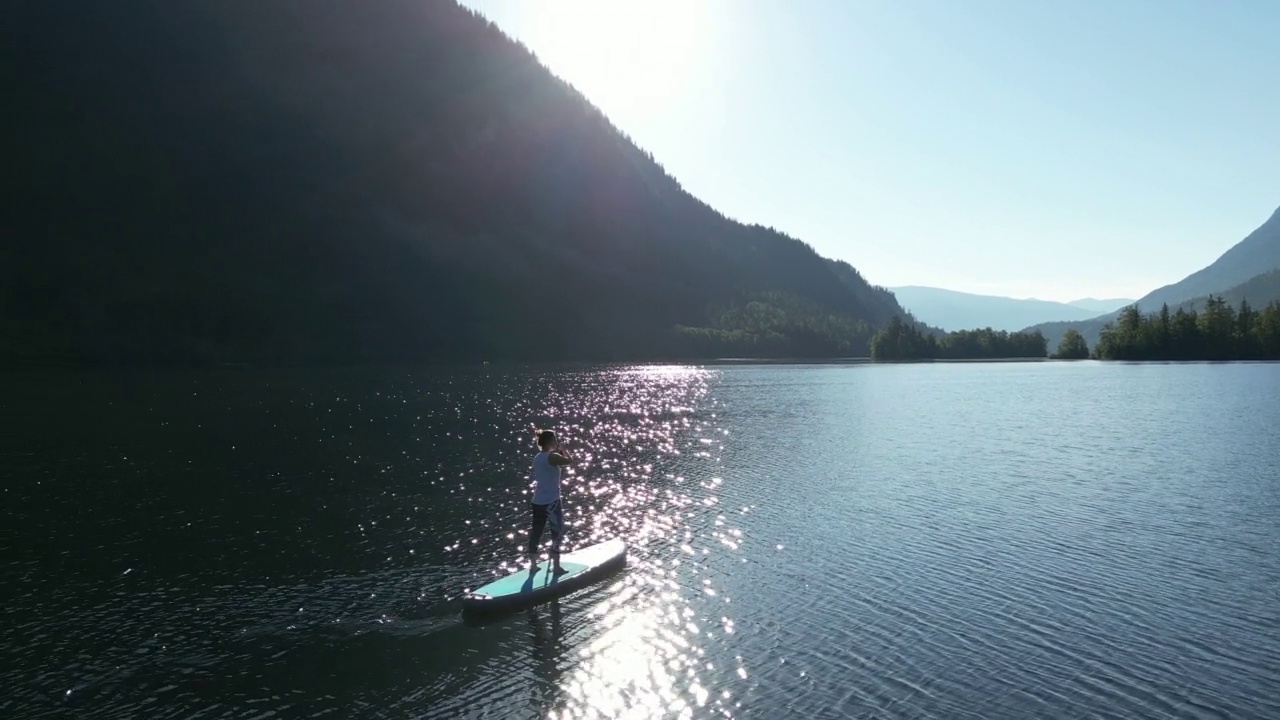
[1056,150]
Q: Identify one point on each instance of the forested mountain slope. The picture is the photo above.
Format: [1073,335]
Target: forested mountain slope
[1259,291]
[333,181]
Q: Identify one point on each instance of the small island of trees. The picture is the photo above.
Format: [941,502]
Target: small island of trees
[902,341]
[1072,347]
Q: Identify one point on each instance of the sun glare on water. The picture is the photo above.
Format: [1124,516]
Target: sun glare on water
[631,59]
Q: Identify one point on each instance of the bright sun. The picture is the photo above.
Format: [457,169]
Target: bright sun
[630,58]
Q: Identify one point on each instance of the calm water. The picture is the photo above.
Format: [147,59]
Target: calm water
[904,541]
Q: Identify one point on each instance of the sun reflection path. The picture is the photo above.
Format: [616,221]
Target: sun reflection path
[658,640]
[651,477]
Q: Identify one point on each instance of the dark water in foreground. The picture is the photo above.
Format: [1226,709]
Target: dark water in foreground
[908,541]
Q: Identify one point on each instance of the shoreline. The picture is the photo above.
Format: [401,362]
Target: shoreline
[26,369]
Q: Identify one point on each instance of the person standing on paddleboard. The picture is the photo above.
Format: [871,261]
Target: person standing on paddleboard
[547,509]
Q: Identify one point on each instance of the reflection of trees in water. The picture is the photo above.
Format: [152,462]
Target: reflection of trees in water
[545,650]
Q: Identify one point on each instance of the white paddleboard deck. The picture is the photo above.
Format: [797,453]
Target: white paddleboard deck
[524,588]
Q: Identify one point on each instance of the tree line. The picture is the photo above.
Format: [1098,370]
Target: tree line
[1219,332]
[904,341]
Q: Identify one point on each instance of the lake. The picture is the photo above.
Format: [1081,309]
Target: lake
[970,540]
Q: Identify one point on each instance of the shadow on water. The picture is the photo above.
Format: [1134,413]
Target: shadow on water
[547,631]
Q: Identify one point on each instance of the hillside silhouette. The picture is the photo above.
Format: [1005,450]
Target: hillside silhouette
[332,181]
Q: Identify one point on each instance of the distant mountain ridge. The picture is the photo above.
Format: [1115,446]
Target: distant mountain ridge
[952,310]
[1101,306]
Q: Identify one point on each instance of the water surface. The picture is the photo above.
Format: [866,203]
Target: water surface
[887,541]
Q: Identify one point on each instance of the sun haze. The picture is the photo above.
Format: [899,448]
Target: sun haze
[627,57]
[1026,149]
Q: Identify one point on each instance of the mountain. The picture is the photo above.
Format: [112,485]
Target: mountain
[1257,253]
[1094,305]
[1245,268]
[331,181]
[952,310]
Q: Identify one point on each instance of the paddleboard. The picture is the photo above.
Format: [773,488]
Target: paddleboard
[523,588]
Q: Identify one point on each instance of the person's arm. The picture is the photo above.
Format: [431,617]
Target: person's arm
[561,457]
